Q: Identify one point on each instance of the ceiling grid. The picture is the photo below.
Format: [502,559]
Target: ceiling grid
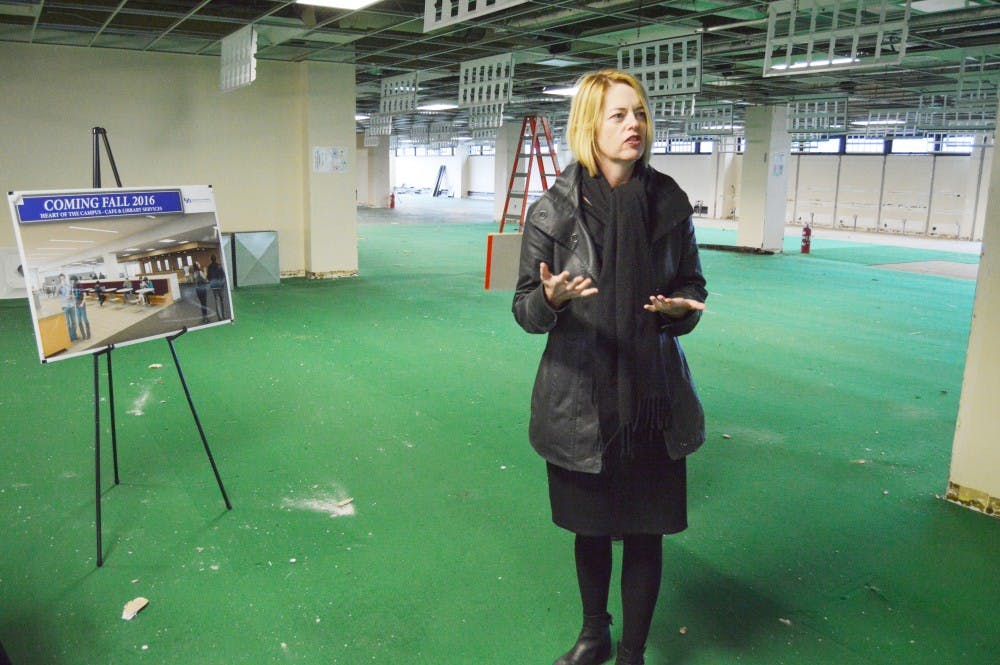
[933,45]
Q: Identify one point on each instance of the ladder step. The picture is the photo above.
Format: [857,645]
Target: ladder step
[516,195]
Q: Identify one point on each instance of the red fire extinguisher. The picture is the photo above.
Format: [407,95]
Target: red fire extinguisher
[392,199]
[806,238]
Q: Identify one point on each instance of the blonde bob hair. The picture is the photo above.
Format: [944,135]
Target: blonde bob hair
[586,111]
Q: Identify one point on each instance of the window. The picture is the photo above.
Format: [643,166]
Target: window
[682,146]
[817,146]
[961,145]
[922,145]
[864,145]
[934,143]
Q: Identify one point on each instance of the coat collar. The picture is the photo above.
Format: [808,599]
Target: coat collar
[557,212]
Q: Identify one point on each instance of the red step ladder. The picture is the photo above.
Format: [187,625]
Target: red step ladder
[534,148]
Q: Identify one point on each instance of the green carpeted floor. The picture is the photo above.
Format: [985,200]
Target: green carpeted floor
[816,538]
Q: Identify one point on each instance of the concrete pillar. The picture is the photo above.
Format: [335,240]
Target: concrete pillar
[983,154]
[110,268]
[763,190]
[330,205]
[975,457]
[506,147]
[724,156]
[462,156]
[374,173]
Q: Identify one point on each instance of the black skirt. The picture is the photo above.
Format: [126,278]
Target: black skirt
[645,493]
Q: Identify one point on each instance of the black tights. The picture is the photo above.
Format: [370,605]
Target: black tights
[642,565]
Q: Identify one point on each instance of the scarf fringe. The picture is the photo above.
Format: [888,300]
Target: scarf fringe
[648,426]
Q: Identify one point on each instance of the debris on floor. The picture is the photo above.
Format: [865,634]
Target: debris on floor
[331,505]
[133,607]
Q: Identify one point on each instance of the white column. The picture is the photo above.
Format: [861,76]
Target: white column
[506,145]
[330,234]
[111,268]
[374,182]
[462,156]
[975,455]
[763,190]
[983,154]
[724,201]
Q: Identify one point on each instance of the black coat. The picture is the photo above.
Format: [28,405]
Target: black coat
[564,427]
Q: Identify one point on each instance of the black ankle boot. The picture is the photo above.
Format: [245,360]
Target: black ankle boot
[593,647]
[628,657]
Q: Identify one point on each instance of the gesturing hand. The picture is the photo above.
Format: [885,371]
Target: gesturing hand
[561,288]
[672,307]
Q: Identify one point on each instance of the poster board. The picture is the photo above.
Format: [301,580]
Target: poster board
[119,266]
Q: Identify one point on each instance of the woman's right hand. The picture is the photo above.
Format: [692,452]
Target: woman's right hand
[561,288]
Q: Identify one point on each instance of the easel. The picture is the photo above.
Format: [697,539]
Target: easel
[106,351]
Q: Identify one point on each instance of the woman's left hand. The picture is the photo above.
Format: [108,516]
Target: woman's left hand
[673,307]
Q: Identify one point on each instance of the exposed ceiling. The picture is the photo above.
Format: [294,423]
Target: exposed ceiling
[950,46]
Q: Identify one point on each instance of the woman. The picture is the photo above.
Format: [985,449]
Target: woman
[83,323]
[609,269]
[200,288]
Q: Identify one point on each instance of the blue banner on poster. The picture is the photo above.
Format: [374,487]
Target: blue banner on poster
[69,207]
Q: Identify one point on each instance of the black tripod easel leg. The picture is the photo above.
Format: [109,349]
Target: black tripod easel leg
[111,409]
[103,134]
[204,441]
[97,458]
[97,442]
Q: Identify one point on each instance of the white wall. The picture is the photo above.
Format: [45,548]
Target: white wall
[167,123]
[935,195]
[696,174]
[422,172]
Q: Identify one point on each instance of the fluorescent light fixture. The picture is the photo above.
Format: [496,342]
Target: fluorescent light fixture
[79,242]
[878,122]
[87,228]
[338,4]
[169,240]
[803,64]
[560,92]
[558,62]
[359,117]
[437,107]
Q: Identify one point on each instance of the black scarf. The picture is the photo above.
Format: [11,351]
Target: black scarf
[631,384]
